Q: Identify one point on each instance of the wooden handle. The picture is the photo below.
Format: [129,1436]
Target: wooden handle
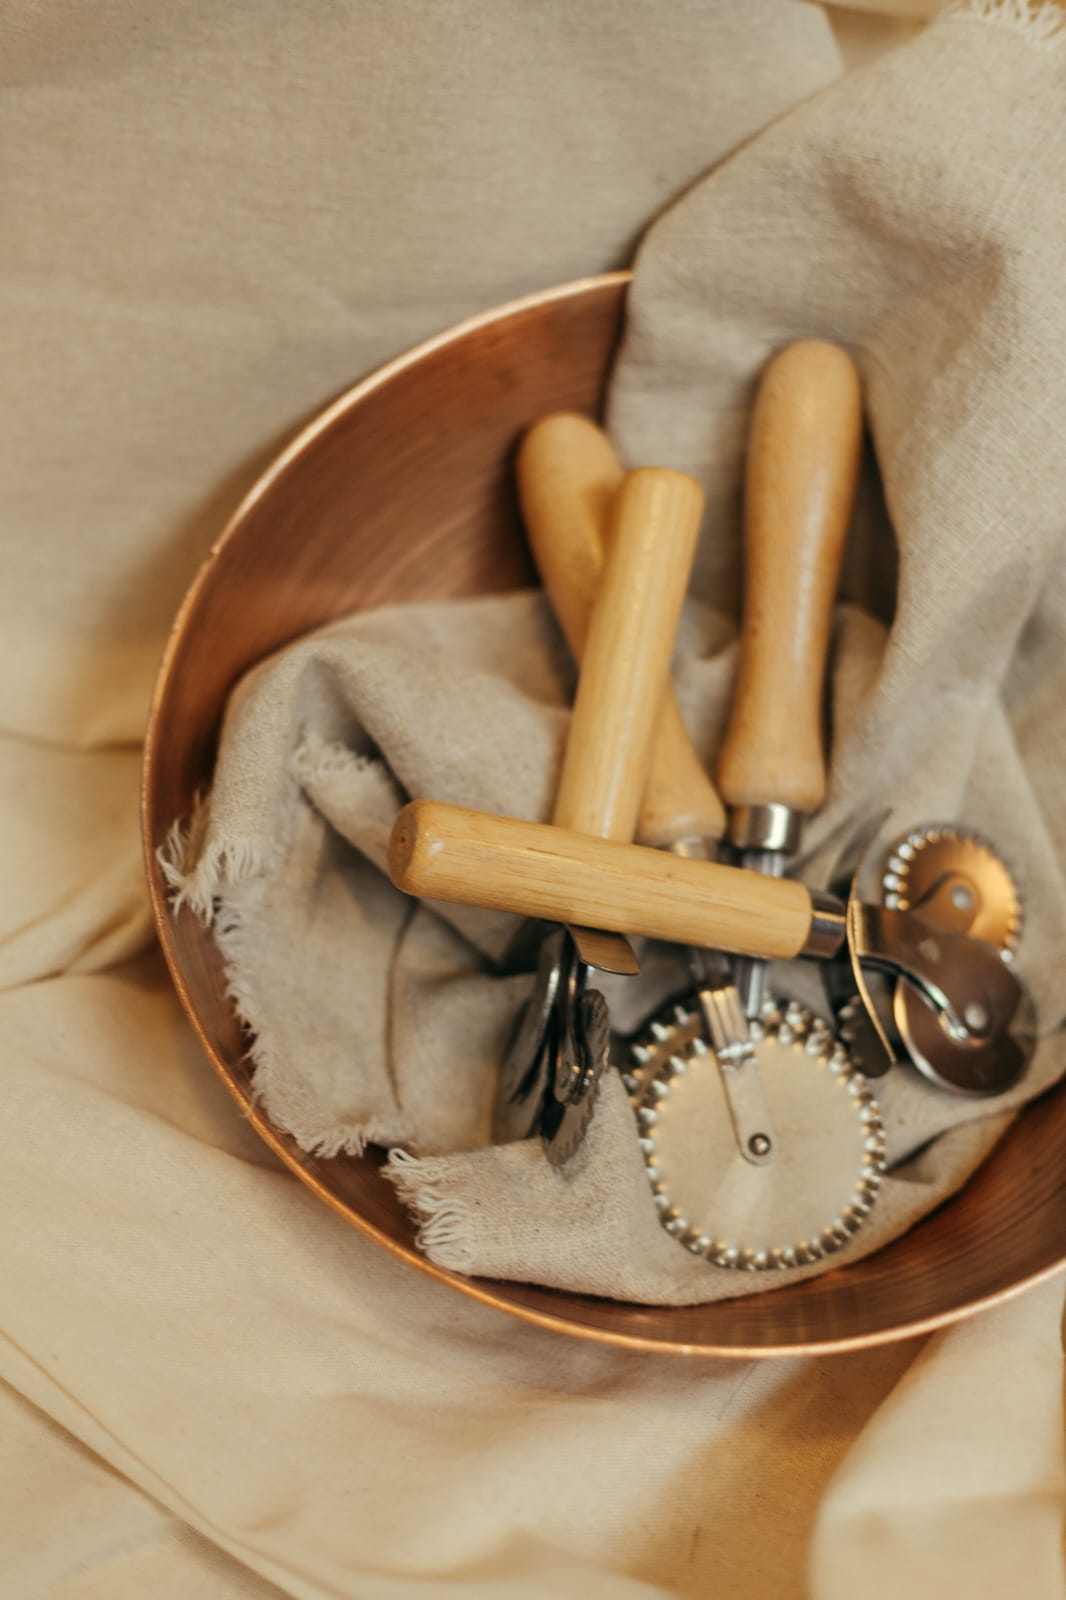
[568,475]
[625,666]
[803,465]
[444,852]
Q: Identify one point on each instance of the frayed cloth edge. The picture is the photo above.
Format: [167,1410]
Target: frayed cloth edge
[270,1064]
[218,865]
[200,889]
[445,1222]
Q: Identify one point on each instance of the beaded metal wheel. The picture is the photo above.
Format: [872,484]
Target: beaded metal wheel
[920,860]
[828,1171]
[914,867]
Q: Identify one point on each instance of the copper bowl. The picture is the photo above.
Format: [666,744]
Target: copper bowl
[424,445]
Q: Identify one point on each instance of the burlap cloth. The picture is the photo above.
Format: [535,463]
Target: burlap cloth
[896,215]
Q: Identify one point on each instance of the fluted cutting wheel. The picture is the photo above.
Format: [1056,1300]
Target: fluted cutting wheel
[927,855]
[914,868]
[524,1074]
[580,1063]
[830,1146]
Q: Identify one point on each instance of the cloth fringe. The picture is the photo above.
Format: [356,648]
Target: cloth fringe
[445,1223]
[349,1139]
[199,886]
[223,866]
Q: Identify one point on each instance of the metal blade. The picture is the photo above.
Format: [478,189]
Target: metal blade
[607,952]
[582,1059]
[523,1074]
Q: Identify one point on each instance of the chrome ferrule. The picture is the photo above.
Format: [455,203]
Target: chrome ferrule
[769,827]
[828,928]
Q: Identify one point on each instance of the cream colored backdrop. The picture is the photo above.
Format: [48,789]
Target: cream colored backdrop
[212,218]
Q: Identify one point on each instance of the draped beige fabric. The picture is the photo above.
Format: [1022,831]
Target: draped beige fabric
[211,218]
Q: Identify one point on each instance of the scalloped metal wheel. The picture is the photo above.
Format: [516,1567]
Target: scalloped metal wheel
[830,1160]
[919,861]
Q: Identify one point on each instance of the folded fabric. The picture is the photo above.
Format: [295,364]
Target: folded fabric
[927,241]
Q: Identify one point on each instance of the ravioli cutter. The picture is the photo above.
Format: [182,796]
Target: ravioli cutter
[560,1048]
[947,883]
[566,469]
[956,881]
[831,1158]
[802,470]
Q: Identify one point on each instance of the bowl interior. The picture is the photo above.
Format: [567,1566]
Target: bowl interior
[401,490]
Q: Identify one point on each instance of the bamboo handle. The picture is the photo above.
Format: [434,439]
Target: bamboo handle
[444,852]
[803,465]
[568,475]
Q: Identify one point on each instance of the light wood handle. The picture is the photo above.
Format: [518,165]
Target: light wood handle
[444,852]
[568,475]
[625,664]
[803,465]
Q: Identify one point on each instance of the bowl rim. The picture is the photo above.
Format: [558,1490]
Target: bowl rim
[482,1290]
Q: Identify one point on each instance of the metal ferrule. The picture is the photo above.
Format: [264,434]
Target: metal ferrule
[770,827]
[692,847]
[828,926]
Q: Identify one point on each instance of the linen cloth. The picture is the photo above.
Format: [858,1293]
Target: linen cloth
[265,1388]
[840,223]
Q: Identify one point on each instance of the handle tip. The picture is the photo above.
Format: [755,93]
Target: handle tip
[404,843]
[675,496]
[567,440]
[817,356]
[824,376]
